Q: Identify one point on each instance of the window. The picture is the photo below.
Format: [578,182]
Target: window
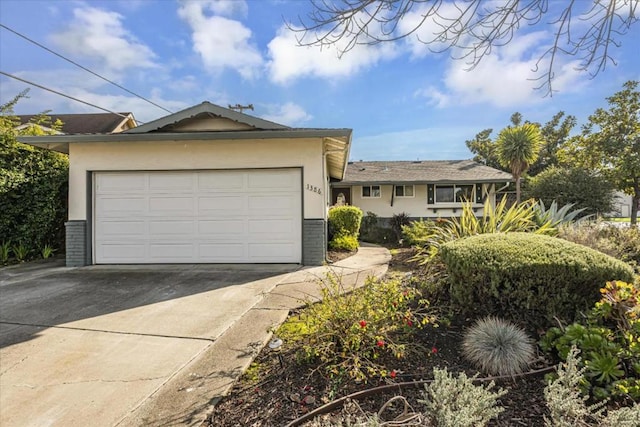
[454,193]
[370,191]
[404,190]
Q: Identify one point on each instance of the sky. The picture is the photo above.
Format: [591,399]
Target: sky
[402,100]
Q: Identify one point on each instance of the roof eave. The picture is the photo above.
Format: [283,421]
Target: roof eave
[61,142]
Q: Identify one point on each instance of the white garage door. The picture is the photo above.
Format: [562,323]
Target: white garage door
[239,216]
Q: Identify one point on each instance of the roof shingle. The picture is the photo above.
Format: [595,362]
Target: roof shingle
[425,171]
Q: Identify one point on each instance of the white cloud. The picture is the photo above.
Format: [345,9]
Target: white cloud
[100,35]
[506,78]
[288,61]
[289,114]
[74,83]
[228,7]
[221,42]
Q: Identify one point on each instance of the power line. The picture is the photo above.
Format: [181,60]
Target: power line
[84,68]
[65,95]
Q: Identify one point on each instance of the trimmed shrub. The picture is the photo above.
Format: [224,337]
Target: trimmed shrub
[343,242]
[344,226]
[527,277]
[345,220]
[498,347]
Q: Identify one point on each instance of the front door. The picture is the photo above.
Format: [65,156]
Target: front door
[340,193]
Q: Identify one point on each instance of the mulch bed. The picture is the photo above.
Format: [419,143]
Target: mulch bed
[278,390]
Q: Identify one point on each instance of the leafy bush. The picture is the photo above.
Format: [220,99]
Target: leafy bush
[582,188]
[344,227]
[498,347]
[569,408]
[343,242]
[430,236]
[33,187]
[457,402]
[349,333]
[345,220]
[619,242]
[525,277]
[398,221]
[609,341]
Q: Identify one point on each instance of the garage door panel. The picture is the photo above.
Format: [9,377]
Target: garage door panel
[122,252]
[221,181]
[233,205]
[273,182]
[170,182]
[113,206]
[272,226]
[163,252]
[198,216]
[221,227]
[122,228]
[222,252]
[173,227]
[271,252]
[121,183]
[176,206]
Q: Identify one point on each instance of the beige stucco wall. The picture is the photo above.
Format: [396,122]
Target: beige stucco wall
[415,207]
[185,155]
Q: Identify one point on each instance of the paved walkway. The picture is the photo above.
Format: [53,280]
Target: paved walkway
[189,397]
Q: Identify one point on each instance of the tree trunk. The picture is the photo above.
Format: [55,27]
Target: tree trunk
[635,203]
[517,190]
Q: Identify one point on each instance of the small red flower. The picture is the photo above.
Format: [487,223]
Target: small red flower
[380,343]
[434,350]
[393,374]
[363,323]
[409,323]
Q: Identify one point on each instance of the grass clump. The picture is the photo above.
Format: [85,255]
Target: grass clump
[498,347]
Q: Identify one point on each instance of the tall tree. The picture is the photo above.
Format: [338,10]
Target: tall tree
[471,29]
[555,134]
[517,148]
[610,143]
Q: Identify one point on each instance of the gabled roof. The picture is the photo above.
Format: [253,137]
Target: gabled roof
[93,123]
[425,171]
[206,109]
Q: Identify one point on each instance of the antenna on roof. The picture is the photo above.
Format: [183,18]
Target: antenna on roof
[241,108]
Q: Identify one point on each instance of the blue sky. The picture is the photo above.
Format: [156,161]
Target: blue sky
[402,101]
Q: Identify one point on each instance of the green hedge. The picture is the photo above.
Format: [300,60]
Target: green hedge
[344,221]
[33,195]
[527,278]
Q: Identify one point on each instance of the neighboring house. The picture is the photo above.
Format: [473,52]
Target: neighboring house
[203,185]
[622,204]
[421,189]
[85,123]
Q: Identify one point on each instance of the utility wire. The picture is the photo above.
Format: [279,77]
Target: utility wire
[65,95]
[84,68]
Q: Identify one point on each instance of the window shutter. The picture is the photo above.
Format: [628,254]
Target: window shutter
[430,194]
[478,193]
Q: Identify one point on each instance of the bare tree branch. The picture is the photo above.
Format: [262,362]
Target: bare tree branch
[470,29]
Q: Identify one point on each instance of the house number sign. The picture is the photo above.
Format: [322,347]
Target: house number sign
[310,187]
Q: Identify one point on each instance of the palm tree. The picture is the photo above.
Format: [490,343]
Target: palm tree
[518,148]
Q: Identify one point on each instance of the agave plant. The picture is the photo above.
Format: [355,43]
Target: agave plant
[558,216]
[519,217]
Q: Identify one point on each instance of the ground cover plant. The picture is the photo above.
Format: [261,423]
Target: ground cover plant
[374,337]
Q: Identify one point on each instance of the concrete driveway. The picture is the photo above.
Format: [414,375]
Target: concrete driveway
[88,346]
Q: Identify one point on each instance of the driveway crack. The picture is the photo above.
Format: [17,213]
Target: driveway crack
[72,328]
